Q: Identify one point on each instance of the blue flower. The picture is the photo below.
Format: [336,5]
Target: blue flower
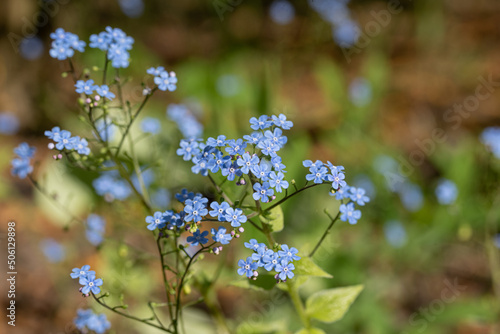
[53,251]
[81,146]
[221,236]
[338,180]
[90,283]
[309,163]
[446,192]
[151,125]
[262,123]
[262,192]
[189,148]
[276,137]
[284,270]
[166,81]
[254,245]
[247,267]
[246,162]
[155,221]
[317,174]
[220,161]
[194,212]
[281,12]
[81,273]
[277,181]
[232,171]
[103,91]
[55,131]
[119,56]
[155,71]
[219,210]
[288,254]
[236,147]
[254,138]
[260,254]
[358,196]
[219,142]
[21,168]
[261,171]
[187,122]
[198,238]
[270,260]
[348,213]
[268,147]
[235,217]
[277,164]
[24,151]
[88,320]
[411,196]
[200,166]
[87,87]
[95,229]
[282,122]
[184,195]
[64,140]
[341,193]
[9,123]
[64,43]
[100,41]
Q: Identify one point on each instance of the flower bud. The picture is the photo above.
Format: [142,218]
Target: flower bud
[88,100]
[97,98]
[233,233]
[241,229]
[51,146]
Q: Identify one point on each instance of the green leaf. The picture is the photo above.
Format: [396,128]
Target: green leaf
[306,267]
[331,305]
[275,219]
[310,331]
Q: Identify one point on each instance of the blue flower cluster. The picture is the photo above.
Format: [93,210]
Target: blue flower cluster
[345,30]
[86,320]
[186,121]
[64,44]
[88,88]
[194,212]
[280,261]
[328,173]
[264,165]
[112,186]
[21,166]
[491,138]
[64,141]
[163,79]
[87,278]
[116,44]
[95,229]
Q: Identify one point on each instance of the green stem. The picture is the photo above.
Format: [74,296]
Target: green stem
[297,302]
[333,220]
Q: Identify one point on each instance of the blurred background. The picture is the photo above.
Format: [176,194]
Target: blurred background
[399,92]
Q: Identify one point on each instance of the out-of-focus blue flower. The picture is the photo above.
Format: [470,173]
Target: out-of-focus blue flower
[161,198]
[9,123]
[228,85]
[346,34]
[116,43]
[81,146]
[21,166]
[186,121]
[395,233]
[348,213]
[95,229]
[53,251]
[491,138]
[358,196]
[281,12]
[360,92]
[411,196]
[446,192]
[31,48]
[132,8]
[87,87]
[24,151]
[496,240]
[88,320]
[104,91]
[111,186]
[150,125]
[106,129]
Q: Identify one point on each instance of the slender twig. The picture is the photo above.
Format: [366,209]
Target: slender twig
[165,282]
[144,321]
[333,220]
